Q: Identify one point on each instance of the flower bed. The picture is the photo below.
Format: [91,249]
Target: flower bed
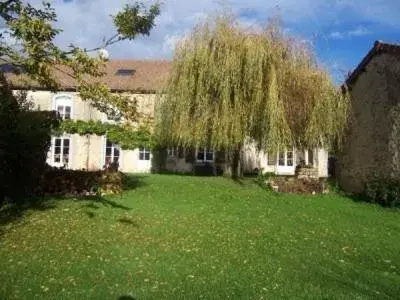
[297,185]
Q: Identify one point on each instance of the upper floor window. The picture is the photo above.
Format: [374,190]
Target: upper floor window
[205,155]
[63,105]
[144,153]
[114,116]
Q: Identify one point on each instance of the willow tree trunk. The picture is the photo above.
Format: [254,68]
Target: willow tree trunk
[233,163]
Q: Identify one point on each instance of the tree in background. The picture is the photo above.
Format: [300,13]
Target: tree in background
[230,85]
[24,141]
[25,135]
[36,54]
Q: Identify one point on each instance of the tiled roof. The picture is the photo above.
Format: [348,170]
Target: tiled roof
[379,47]
[148,76]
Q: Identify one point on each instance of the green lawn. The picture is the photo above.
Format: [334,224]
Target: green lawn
[182,237]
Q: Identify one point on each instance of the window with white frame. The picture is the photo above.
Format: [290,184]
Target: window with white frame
[61,151]
[172,152]
[285,158]
[63,106]
[144,153]
[113,153]
[205,155]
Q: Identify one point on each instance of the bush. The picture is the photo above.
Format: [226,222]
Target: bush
[63,182]
[383,191]
[206,169]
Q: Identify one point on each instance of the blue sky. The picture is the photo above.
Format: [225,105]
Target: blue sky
[342,30]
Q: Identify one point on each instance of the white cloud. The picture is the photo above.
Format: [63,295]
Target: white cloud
[359,31]
[336,35]
[87,22]
[356,32]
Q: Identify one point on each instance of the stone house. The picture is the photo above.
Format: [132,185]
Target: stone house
[372,143]
[141,80]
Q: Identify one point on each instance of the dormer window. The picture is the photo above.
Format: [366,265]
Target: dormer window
[125,72]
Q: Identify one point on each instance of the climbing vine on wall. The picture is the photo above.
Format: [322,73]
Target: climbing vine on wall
[127,137]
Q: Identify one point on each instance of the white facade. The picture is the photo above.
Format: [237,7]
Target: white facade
[91,152]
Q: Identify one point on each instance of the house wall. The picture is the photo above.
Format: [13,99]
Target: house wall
[88,152]
[371,145]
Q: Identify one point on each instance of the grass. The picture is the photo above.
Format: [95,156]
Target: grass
[182,237]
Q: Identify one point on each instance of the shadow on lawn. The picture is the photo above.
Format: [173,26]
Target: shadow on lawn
[13,213]
[133,182]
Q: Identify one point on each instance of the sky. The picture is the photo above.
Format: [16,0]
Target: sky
[342,31]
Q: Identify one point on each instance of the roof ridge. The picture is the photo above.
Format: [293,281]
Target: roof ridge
[378,47]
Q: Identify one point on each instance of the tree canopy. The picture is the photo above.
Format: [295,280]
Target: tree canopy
[36,54]
[230,84]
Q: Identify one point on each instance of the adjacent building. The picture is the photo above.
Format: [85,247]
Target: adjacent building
[372,144]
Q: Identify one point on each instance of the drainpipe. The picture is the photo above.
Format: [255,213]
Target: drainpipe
[88,141]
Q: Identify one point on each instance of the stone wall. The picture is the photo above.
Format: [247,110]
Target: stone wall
[306,173]
[371,144]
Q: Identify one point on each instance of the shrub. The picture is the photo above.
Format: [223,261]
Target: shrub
[264,178]
[63,182]
[206,169]
[383,191]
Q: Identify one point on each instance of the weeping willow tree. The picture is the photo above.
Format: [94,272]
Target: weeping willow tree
[230,85]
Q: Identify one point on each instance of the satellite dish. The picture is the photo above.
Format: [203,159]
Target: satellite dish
[103,54]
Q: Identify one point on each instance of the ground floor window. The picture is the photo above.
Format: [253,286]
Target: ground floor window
[172,152]
[285,158]
[61,151]
[144,153]
[113,153]
[205,155]
[309,157]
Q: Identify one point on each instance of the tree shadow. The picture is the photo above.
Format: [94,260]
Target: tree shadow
[132,182]
[129,222]
[14,212]
[90,214]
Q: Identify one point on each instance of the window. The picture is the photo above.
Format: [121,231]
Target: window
[125,72]
[144,154]
[61,151]
[63,105]
[172,152]
[281,158]
[285,158]
[113,153]
[289,158]
[64,112]
[205,155]
[114,116]
[310,157]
